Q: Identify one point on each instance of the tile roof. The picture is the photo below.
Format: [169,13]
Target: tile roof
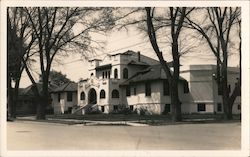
[133,62]
[67,87]
[154,72]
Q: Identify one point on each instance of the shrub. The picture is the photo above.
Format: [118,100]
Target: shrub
[93,110]
[122,109]
[143,111]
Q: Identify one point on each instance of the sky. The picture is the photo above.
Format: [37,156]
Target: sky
[75,67]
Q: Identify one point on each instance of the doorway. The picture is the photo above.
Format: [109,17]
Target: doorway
[92,96]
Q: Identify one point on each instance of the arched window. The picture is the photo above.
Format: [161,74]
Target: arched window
[115,93]
[125,73]
[102,94]
[82,96]
[115,73]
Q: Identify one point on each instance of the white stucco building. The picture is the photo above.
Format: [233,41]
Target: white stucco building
[136,81]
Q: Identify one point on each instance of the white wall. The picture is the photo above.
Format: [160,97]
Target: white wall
[202,86]
[62,106]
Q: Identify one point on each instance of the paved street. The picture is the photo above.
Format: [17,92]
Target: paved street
[49,136]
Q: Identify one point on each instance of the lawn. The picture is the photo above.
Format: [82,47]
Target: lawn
[148,119]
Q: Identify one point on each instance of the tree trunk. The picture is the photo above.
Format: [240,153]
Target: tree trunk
[233,96]
[175,80]
[225,96]
[10,98]
[15,102]
[16,95]
[175,103]
[43,101]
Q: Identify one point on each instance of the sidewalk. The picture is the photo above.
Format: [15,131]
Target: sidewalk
[83,122]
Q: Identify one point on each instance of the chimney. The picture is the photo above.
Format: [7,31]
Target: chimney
[139,56]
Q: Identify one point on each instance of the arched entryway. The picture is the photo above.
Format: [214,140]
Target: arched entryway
[92,96]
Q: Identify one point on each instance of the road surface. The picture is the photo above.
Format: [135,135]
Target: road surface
[48,136]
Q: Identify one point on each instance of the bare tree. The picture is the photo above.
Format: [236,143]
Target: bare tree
[163,27]
[60,31]
[20,41]
[217,28]
[174,20]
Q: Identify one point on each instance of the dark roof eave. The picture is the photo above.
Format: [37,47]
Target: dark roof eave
[140,81]
[94,60]
[63,91]
[107,66]
[134,64]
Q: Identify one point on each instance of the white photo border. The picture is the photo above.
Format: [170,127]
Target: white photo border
[245,77]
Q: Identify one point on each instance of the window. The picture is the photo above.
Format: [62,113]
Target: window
[108,74]
[115,93]
[115,107]
[185,87]
[59,97]
[219,107]
[166,88]
[148,89]
[134,91]
[102,108]
[102,94]
[125,73]
[131,107]
[229,88]
[201,107]
[103,74]
[82,96]
[92,74]
[128,91]
[115,73]
[69,96]
[167,108]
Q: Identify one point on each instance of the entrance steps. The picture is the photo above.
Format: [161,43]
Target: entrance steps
[81,110]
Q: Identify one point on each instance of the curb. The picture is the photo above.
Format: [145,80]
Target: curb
[123,123]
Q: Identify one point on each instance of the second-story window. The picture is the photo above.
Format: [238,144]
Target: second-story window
[125,73]
[108,74]
[69,96]
[166,88]
[115,73]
